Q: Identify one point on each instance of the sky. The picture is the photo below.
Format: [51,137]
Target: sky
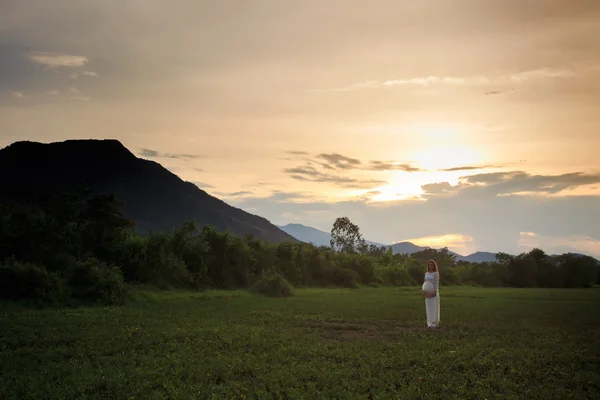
[471,124]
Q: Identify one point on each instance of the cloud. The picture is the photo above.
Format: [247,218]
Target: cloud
[560,244]
[240,193]
[391,166]
[426,81]
[417,81]
[76,75]
[149,153]
[498,92]
[18,94]
[311,174]
[500,183]
[542,73]
[298,153]
[290,197]
[53,92]
[437,188]
[338,161]
[468,168]
[202,185]
[156,154]
[73,90]
[81,98]
[56,60]
[513,183]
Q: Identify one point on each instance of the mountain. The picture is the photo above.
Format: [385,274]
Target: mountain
[312,235]
[320,238]
[155,198]
[307,234]
[478,257]
[406,248]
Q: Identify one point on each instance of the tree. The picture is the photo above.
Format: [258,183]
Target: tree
[105,226]
[578,270]
[346,237]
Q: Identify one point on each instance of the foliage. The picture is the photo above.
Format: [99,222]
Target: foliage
[66,246]
[273,285]
[346,237]
[94,282]
[395,276]
[28,281]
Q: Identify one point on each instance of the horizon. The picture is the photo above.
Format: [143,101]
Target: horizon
[465,123]
[424,246]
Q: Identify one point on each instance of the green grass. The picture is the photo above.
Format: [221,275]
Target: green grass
[365,343]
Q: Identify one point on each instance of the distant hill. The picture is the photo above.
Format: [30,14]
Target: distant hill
[406,248]
[480,256]
[154,197]
[307,234]
[312,235]
[318,237]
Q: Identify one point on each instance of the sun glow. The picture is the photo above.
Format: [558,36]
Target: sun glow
[432,145]
[435,131]
[461,244]
[408,185]
[433,152]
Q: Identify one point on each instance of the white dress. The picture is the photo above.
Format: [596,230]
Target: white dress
[432,305]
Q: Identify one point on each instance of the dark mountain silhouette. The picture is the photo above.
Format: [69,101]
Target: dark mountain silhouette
[320,238]
[155,198]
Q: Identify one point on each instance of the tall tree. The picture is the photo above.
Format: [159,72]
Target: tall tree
[346,237]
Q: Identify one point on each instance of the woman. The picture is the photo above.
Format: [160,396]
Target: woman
[432,305]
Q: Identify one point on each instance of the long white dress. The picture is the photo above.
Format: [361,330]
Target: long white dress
[432,305]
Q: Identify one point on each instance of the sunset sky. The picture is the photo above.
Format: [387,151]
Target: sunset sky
[468,123]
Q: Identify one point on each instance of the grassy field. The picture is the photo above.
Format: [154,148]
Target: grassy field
[369,343]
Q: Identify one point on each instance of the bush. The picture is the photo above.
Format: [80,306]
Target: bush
[417,273]
[93,282]
[343,277]
[395,276]
[162,267]
[363,265]
[273,285]
[22,280]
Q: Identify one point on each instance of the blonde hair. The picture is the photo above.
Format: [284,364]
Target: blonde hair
[434,265]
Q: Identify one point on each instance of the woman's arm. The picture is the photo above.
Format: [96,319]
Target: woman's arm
[436,282]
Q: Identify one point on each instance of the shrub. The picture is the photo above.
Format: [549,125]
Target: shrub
[449,277]
[162,266]
[343,277]
[91,282]
[417,273]
[273,285]
[362,265]
[22,280]
[132,257]
[395,276]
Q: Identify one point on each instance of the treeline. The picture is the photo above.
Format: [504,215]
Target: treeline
[65,249]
